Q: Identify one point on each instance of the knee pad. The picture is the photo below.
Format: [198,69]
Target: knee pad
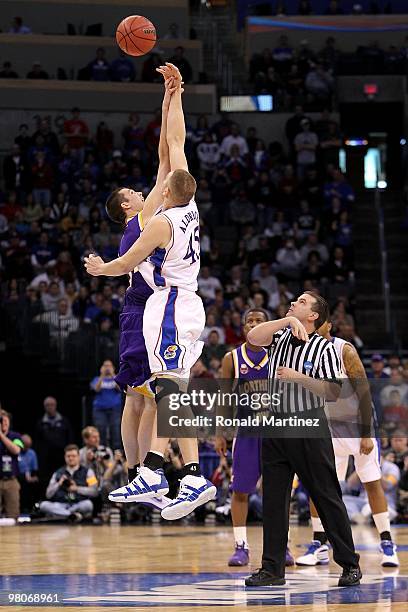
[164,388]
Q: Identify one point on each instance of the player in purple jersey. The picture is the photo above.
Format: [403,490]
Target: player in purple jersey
[129,208]
[247,367]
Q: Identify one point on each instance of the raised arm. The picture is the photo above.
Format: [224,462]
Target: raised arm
[157,234]
[155,197]
[262,334]
[176,130]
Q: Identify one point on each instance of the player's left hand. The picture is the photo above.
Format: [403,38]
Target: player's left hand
[366,446]
[94,265]
[287,374]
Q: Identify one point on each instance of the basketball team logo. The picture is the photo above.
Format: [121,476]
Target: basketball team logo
[170,352]
[243,368]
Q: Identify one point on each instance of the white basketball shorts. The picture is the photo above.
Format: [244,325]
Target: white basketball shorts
[367,466]
[173,321]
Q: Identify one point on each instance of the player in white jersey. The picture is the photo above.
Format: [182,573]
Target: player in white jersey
[174,315]
[350,416]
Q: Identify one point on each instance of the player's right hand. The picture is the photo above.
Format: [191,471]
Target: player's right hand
[298,329]
[221,446]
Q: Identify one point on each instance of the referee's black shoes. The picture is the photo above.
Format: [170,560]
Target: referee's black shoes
[351,576]
[262,578]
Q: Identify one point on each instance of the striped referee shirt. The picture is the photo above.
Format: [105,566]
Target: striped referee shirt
[317,358]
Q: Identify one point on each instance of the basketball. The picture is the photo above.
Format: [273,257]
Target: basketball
[136,35]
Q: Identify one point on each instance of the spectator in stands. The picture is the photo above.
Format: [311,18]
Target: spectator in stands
[234,138]
[107,405]
[395,383]
[28,466]
[377,367]
[394,362]
[288,260]
[305,143]
[8,72]
[213,348]
[395,412]
[399,448]
[182,64]
[154,60]
[329,55]
[15,170]
[304,7]
[11,445]
[71,489]
[339,270]
[42,179]
[282,54]
[99,68]
[133,133]
[93,454]
[173,32]
[208,153]
[76,132]
[207,284]
[23,140]
[37,72]
[312,244]
[338,187]
[60,324]
[334,8]
[53,433]
[319,83]
[123,69]
[18,27]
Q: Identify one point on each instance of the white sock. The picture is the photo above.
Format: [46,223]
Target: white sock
[240,535]
[317,525]
[382,521]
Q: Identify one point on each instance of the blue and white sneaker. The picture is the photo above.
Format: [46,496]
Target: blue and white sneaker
[148,485]
[389,550]
[194,491]
[316,554]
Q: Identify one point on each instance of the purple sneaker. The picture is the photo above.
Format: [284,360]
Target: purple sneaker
[289,558]
[240,556]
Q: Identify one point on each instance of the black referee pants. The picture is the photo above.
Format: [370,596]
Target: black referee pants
[313,461]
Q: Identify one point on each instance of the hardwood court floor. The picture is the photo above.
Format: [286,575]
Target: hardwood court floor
[182,567]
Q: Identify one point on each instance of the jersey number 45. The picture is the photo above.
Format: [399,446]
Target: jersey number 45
[193,249]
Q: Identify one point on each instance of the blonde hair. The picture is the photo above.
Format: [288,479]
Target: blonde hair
[87,431]
[182,186]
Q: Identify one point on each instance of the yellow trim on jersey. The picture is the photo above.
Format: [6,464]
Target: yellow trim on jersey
[129,220]
[143,390]
[141,222]
[235,362]
[249,361]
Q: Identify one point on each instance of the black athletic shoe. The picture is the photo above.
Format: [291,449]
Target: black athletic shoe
[263,578]
[351,576]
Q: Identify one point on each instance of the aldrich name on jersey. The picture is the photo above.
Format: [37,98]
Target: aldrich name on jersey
[187,219]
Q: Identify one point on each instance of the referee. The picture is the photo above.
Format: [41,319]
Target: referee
[299,355]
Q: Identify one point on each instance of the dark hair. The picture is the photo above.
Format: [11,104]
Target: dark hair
[261,310]
[6,414]
[113,206]
[320,306]
[71,447]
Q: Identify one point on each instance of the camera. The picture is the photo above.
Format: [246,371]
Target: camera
[66,484]
[100,453]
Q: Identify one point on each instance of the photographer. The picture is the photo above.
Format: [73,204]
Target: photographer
[115,474]
[10,447]
[107,405]
[94,455]
[70,488]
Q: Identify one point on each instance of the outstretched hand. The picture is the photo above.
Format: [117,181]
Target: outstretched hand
[170,71]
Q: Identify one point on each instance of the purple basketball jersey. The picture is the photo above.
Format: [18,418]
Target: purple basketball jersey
[251,376]
[132,232]
[134,367]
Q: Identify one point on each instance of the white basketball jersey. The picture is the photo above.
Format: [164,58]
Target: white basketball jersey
[178,264]
[346,408]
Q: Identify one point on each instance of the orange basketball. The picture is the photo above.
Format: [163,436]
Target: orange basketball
[136,35]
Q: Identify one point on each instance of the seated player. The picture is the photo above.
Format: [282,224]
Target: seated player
[247,368]
[174,315]
[344,421]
